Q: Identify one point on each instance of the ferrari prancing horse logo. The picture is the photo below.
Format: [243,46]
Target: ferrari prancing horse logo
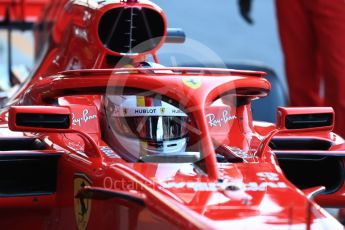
[192,82]
[82,207]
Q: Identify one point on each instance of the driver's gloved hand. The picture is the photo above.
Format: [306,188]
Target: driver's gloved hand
[245,6]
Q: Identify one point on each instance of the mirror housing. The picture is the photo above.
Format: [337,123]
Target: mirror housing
[305,118]
[39,119]
[175,35]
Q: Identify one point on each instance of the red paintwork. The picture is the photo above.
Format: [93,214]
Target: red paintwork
[175,195]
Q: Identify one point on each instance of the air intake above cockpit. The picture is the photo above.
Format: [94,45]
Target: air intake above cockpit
[131,30]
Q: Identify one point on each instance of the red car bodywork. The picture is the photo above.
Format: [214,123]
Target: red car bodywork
[79,181]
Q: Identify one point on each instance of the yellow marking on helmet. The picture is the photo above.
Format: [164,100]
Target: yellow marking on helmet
[129,66]
[140,101]
[143,148]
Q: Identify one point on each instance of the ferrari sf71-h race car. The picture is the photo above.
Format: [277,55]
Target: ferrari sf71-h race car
[100,138]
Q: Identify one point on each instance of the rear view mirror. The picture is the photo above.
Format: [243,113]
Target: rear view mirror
[47,119]
[39,118]
[305,118]
[175,35]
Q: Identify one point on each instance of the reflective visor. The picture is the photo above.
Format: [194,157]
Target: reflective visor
[151,128]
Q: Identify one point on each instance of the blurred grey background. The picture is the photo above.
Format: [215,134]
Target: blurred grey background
[22,55]
[219,26]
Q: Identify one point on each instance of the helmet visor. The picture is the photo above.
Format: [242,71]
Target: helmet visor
[151,128]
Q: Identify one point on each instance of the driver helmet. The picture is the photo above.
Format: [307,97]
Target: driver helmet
[145,125]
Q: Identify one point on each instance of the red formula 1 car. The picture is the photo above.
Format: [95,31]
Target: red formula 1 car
[99,138]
